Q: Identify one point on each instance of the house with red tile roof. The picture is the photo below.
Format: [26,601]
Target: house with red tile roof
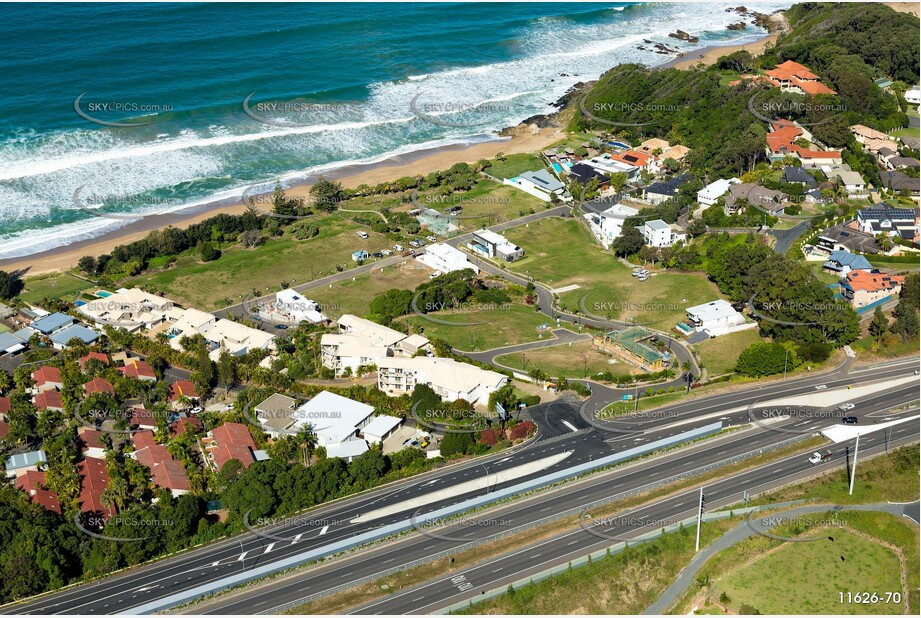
[91,442]
[99,356]
[791,76]
[186,423]
[637,159]
[862,288]
[142,418]
[98,385]
[153,454]
[170,474]
[4,406]
[781,142]
[33,484]
[143,439]
[139,370]
[182,389]
[47,378]
[48,400]
[230,441]
[93,480]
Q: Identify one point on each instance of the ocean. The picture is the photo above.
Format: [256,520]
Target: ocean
[135,109]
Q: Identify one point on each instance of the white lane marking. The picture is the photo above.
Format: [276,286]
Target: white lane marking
[242,556]
[269,548]
[570,425]
[323,530]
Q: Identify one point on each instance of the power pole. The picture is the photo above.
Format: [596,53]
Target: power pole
[700,512]
[850,490]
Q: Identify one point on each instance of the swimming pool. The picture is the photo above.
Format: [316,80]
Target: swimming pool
[103,294]
[557,168]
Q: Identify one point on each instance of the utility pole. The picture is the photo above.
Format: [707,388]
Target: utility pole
[850,490]
[785,356]
[700,512]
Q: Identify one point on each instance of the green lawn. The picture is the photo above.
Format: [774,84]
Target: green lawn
[480,330]
[515,164]
[891,346]
[561,252]
[578,360]
[355,294]
[806,578]
[719,355]
[488,203]
[239,271]
[64,286]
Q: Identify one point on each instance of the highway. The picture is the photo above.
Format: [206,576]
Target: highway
[563,428]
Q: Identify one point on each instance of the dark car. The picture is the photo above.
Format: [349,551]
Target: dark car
[281,327]
[378,254]
[407,253]
[849,420]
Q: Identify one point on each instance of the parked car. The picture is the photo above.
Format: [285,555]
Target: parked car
[414,243]
[433,275]
[849,420]
[386,251]
[281,327]
[378,254]
[407,253]
[398,247]
[819,457]
[197,410]
[431,239]
[362,234]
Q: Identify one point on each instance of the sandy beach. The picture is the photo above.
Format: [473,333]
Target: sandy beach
[417,163]
[905,7]
[709,55]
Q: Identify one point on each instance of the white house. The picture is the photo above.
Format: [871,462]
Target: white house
[715,190]
[237,339]
[541,184]
[913,96]
[362,342]
[609,224]
[290,306]
[493,245]
[380,428]
[131,309]
[717,318]
[190,323]
[444,258]
[450,379]
[333,418]
[658,233]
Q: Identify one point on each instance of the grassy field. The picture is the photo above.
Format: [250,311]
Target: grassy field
[354,295]
[892,346]
[497,327]
[64,286]
[239,271]
[578,360]
[488,203]
[515,164]
[786,580]
[719,355]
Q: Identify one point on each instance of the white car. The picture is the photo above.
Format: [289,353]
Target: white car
[821,387]
[362,234]
[386,251]
[431,238]
[398,247]
[433,275]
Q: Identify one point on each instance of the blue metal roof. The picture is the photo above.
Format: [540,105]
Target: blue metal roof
[82,333]
[51,323]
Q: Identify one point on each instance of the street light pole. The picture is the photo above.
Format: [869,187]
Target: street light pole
[700,511]
[785,356]
[850,490]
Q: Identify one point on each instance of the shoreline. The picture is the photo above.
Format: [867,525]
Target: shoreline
[417,162]
[709,54]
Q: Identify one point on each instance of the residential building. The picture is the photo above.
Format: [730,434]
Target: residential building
[48,400]
[182,390]
[863,133]
[888,220]
[444,258]
[636,160]
[359,343]
[717,318]
[664,190]
[541,184]
[360,256]
[793,174]
[98,356]
[332,418]
[493,245]
[607,164]
[290,306]
[130,309]
[33,484]
[11,343]
[781,142]
[274,414]
[380,428]
[236,339]
[171,474]
[715,190]
[658,233]
[844,238]
[47,378]
[791,76]
[142,418]
[608,225]
[762,198]
[881,148]
[584,174]
[862,288]
[842,262]
[898,162]
[138,369]
[20,463]
[98,385]
[451,380]
[229,441]
[90,441]
[348,450]
[93,480]
[899,181]
[50,324]
[913,95]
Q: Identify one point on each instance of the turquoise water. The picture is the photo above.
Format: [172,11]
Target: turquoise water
[328,84]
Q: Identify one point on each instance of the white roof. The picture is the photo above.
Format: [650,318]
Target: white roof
[445,373]
[416,340]
[620,211]
[493,237]
[193,319]
[289,296]
[380,425]
[657,224]
[349,346]
[717,188]
[712,311]
[349,448]
[372,333]
[332,417]
[233,335]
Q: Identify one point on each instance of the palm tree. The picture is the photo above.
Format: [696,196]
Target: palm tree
[308,441]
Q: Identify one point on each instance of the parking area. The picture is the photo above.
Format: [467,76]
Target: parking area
[407,436]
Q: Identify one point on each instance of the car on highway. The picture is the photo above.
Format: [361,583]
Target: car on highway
[821,387]
[849,420]
[819,457]
[846,406]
